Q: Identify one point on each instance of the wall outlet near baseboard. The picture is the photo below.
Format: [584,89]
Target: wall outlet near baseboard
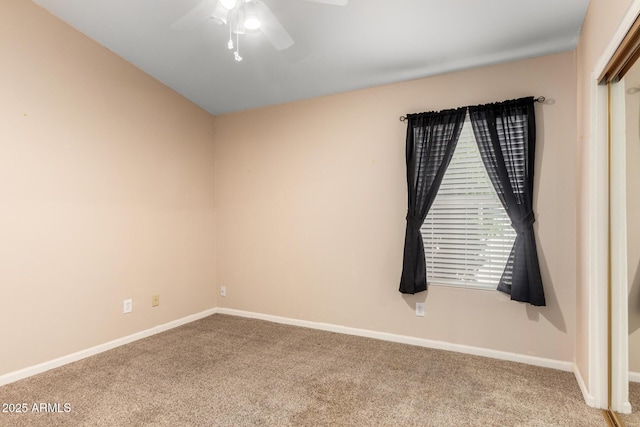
[223,291]
[155,300]
[128,306]
[420,309]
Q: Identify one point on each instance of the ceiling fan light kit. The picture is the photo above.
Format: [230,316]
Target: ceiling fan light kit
[228,4]
[251,18]
[220,14]
[243,15]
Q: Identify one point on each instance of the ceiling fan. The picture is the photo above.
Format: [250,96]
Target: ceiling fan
[241,16]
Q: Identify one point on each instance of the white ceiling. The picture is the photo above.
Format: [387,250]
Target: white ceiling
[366,43]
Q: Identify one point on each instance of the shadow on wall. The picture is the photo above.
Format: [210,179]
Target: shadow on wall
[411,300]
[552,310]
[634,302]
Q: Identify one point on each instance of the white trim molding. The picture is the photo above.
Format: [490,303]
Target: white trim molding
[385,336]
[598,146]
[588,398]
[82,354]
[598,223]
[625,25]
[618,232]
[404,339]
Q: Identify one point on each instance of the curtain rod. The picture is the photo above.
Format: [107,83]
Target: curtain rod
[539,99]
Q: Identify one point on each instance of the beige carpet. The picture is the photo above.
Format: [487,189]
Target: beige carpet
[231,371]
[633,419]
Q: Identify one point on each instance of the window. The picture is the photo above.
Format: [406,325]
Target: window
[467,234]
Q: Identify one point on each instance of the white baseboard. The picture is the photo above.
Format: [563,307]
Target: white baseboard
[634,377]
[588,397]
[403,339]
[385,336]
[64,360]
[626,408]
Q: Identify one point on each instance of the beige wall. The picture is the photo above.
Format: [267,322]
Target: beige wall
[602,19]
[311,202]
[632,122]
[106,193]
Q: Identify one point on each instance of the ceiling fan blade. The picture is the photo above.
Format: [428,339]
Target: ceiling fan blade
[272,28]
[196,16]
[332,2]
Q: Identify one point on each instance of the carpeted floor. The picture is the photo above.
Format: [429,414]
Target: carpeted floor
[231,371]
[633,419]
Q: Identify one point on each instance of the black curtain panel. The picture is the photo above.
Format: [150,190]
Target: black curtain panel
[431,140]
[506,136]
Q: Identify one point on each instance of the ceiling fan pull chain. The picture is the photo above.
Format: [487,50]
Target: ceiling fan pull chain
[236,54]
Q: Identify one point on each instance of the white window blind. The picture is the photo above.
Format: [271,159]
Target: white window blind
[467,234]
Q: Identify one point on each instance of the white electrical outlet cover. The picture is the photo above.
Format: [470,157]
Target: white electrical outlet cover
[420,309]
